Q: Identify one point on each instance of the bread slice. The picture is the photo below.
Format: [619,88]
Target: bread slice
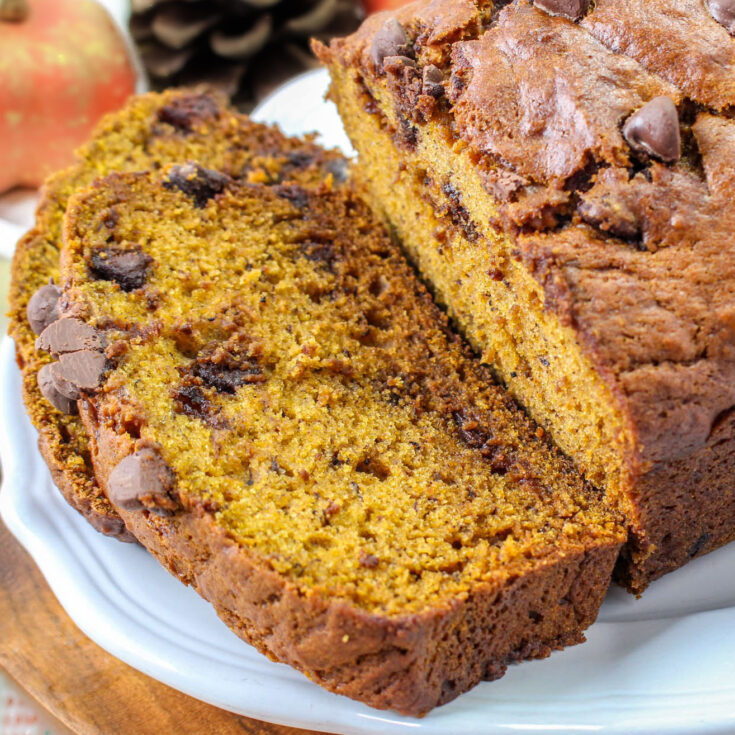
[281,415]
[590,262]
[152,130]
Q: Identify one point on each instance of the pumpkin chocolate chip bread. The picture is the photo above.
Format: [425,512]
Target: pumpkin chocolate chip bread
[281,415]
[150,131]
[562,175]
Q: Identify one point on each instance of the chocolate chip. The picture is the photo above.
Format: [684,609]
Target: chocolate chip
[698,545]
[63,386]
[301,159]
[396,63]
[610,214]
[82,369]
[370,561]
[723,11]
[339,168]
[69,335]
[654,129]
[572,9]
[433,81]
[226,379]
[199,183]
[390,40]
[43,307]
[128,268]
[183,113]
[191,401]
[50,391]
[297,195]
[319,252]
[141,480]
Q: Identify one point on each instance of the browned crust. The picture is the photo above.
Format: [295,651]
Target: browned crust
[61,439]
[408,663]
[697,494]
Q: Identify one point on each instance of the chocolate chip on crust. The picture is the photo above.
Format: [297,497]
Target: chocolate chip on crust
[185,112]
[69,335]
[723,11]
[43,307]
[82,369]
[433,81]
[390,40]
[572,9]
[142,480]
[128,268]
[199,183]
[654,129]
[49,390]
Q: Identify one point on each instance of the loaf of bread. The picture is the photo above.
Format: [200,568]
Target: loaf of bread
[280,413]
[150,131]
[561,173]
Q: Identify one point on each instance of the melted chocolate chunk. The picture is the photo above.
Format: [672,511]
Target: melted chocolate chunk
[654,129]
[433,81]
[47,384]
[191,401]
[128,268]
[319,252]
[142,480]
[611,214]
[458,212]
[390,40]
[699,545]
[301,159]
[369,561]
[198,183]
[572,9]
[43,307]
[473,435]
[69,335]
[227,379]
[184,113]
[469,430]
[723,11]
[297,195]
[339,168]
[396,63]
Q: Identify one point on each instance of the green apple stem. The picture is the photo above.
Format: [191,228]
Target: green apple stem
[14,11]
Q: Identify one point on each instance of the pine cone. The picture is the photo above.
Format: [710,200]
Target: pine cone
[245,47]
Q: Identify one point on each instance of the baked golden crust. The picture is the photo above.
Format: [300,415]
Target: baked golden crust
[340,478]
[524,149]
[151,131]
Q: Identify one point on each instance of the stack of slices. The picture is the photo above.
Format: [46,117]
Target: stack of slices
[229,360]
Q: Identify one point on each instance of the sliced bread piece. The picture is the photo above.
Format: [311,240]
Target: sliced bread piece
[282,416]
[152,130]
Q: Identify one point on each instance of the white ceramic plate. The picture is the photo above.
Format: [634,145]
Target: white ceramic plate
[662,665]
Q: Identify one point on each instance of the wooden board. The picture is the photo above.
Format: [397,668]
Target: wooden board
[87,689]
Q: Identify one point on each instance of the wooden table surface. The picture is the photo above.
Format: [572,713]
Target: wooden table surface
[87,689]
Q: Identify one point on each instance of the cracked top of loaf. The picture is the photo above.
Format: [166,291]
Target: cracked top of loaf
[606,138]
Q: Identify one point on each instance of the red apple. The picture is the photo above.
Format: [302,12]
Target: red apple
[63,64]
[372,6]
